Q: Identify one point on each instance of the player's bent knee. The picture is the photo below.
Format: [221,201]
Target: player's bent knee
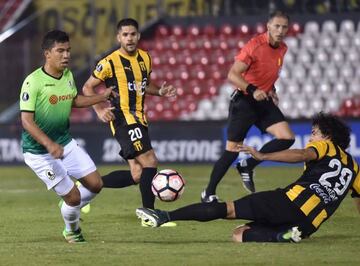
[73,198]
[237,235]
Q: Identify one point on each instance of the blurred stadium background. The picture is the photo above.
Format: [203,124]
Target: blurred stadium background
[192,43]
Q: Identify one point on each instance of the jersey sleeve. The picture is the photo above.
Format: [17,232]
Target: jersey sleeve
[28,95]
[246,54]
[320,147]
[73,85]
[356,185]
[102,70]
[149,67]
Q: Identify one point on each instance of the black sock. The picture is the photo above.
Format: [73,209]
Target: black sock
[200,212]
[147,196]
[271,146]
[219,170]
[118,179]
[263,235]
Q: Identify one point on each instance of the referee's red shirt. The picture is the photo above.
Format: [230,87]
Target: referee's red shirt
[264,61]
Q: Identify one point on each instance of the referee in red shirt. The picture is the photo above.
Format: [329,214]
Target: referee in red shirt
[254,102]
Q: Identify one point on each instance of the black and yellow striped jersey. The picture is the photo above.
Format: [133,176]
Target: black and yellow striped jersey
[130,75]
[325,182]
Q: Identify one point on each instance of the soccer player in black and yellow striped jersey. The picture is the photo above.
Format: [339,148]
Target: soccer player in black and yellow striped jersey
[128,71]
[294,212]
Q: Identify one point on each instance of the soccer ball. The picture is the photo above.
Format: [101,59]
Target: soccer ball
[168,185]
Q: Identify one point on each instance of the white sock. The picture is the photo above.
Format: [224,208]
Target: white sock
[85,195]
[243,163]
[71,216]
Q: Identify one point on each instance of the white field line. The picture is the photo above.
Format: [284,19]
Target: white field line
[16,190]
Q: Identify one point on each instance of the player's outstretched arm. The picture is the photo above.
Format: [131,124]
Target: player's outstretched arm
[86,101]
[28,123]
[287,156]
[104,113]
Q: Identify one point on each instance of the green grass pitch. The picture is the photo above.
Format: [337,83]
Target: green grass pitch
[31,225]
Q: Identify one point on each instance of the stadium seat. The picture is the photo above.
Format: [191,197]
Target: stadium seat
[332,105]
[226,30]
[329,26]
[303,57]
[347,27]
[243,31]
[343,42]
[326,42]
[308,43]
[331,72]
[321,57]
[312,28]
[346,72]
[260,28]
[193,30]
[293,88]
[162,31]
[294,29]
[298,72]
[209,31]
[178,31]
[292,43]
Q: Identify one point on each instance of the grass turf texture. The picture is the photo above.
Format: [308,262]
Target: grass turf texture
[31,226]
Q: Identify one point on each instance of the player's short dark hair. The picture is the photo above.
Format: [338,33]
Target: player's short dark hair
[331,126]
[127,22]
[52,37]
[278,13]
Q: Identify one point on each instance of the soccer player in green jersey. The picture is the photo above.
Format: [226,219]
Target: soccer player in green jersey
[46,99]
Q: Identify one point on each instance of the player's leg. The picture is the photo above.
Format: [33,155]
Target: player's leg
[70,209]
[123,178]
[53,173]
[80,166]
[272,121]
[133,140]
[201,212]
[275,218]
[252,232]
[241,118]
[149,163]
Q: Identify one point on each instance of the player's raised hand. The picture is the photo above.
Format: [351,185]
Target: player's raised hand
[55,149]
[105,114]
[167,91]
[252,151]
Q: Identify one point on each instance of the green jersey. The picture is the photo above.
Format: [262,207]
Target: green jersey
[50,99]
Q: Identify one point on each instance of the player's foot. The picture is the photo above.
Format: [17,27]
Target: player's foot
[86,208]
[153,218]
[292,235]
[208,198]
[73,236]
[247,177]
[145,223]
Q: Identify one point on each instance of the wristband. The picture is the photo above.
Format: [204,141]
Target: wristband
[250,89]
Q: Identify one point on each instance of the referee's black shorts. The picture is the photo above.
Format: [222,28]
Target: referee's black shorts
[245,111]
[272,210]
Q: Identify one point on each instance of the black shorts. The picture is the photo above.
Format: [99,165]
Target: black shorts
[244,112]
[272,210]
[133,139]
